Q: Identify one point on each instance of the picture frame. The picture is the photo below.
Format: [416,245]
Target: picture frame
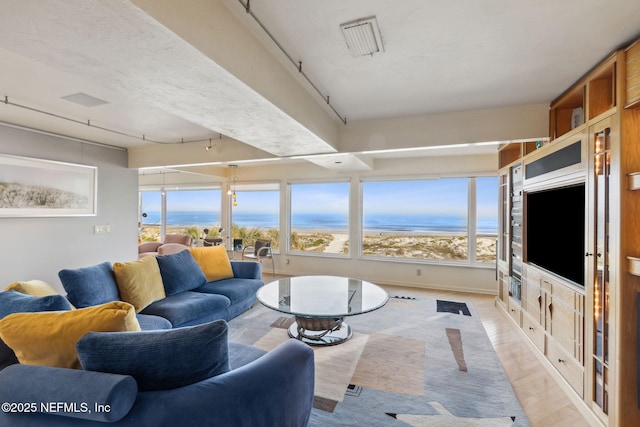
[31,187]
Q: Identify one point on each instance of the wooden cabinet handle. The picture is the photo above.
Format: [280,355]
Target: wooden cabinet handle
[530,328]
[561,360]
[540,300]
[550,307]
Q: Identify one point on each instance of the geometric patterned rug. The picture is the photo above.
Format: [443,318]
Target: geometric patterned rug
[414,362]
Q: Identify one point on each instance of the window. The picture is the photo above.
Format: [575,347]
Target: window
[320,218]
[192,211]
[486,218]
[257,214]
[420,219]
[179,212]
[150,216]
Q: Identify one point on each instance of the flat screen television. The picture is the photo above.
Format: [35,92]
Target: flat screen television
[555,231]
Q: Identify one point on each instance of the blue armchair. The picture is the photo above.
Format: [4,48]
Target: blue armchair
[261,389]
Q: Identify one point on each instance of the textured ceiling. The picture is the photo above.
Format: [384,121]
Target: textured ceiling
[442,56]
[439,56]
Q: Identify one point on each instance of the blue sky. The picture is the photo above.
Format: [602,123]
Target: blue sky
[438,196]
[314,198]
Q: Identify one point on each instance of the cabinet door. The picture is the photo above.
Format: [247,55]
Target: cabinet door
[503,286]
[600,143]
[564,319]
[504,247]
[533,298]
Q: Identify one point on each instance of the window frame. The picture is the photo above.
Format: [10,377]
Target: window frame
[471,260]
[163,190]
[350,216]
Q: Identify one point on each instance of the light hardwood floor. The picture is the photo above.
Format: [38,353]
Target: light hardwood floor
[540,396]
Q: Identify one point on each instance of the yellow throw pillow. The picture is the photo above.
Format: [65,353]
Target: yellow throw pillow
[139,282]
[37,288]
[48,338]
[214,262]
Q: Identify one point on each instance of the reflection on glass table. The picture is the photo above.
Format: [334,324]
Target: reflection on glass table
[320,304]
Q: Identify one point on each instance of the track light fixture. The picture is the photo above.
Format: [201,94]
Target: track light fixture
[232,185]
[210,146]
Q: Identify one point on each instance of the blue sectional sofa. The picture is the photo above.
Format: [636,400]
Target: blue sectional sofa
[163,358]
[186,296]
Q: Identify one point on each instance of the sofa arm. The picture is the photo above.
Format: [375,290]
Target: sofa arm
[148,247]
[246,269]
[32,394]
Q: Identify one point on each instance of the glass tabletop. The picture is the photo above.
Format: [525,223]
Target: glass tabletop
[322,296]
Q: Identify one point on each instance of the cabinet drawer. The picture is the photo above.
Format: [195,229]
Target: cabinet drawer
[515,311]
[570,369]
[534,331]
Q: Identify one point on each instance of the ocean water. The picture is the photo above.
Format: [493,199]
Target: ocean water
[324,221]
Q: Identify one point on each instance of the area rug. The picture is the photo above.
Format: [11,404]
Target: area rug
[414,362]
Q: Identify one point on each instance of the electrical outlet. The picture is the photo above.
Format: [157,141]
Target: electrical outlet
[418,272]
[101,229]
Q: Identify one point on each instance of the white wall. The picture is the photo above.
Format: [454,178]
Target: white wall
[37,248]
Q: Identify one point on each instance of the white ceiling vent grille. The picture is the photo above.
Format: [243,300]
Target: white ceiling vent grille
[362,36]
[84,100]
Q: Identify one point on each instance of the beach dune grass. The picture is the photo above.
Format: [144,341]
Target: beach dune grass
[394,245]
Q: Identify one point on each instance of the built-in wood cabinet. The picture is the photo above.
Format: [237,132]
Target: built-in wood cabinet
[587,333]
[554,321]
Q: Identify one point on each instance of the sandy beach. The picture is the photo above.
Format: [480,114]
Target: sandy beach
[390,244]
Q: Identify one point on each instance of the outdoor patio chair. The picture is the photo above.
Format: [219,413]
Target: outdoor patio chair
[260,250]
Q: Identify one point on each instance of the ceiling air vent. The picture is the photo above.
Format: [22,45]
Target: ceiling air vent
[362,36]
[84,99]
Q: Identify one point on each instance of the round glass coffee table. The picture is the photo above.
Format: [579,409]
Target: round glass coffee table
[320,304]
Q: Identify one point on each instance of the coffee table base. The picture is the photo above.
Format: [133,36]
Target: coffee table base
[318,331]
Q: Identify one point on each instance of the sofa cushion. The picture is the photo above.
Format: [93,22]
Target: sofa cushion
[190,308]
[180,272]
[89,286]
[49,338]
[149,322]
[33,287]
[235,289]
[16,302]
[214,262]
[139,282]
[159,360]
[243,354]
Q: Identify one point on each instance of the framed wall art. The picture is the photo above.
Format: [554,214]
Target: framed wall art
[36,188]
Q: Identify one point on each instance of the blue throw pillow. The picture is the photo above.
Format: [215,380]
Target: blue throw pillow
[180,272]
[90,286]
[159,360]
[16,302]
